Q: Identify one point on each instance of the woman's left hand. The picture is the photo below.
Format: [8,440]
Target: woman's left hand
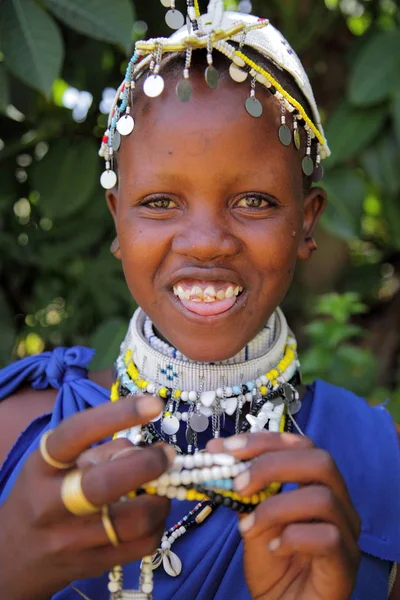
[300,545]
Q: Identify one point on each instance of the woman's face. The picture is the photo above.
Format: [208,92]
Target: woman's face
[211,216]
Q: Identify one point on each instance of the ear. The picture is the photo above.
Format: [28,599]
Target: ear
[112,203]
[314,205]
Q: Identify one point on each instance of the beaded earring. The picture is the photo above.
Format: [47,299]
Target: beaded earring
[253,105]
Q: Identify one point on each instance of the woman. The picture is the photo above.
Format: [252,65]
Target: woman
[213,208]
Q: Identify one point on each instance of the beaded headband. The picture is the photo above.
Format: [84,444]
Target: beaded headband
[216,30]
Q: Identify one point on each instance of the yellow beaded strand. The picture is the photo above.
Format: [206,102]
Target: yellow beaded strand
[282,91]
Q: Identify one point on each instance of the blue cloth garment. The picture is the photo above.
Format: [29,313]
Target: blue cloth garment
[361,439]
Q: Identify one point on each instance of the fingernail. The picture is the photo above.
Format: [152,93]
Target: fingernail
[247,523]
[274,544]
[169,453]
[237,442]
[292,439]
[148,406]
[87,461]
[124,452]
[242,481]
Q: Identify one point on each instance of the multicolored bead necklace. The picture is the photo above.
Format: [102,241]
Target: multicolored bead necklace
[264,401]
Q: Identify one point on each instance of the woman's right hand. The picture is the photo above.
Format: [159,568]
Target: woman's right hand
[43,547]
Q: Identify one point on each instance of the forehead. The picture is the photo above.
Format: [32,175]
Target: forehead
[212,136]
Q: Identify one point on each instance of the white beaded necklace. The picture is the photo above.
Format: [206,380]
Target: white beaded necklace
[154,365]
[254,349]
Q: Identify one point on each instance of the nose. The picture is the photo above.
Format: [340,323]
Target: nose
[206,238]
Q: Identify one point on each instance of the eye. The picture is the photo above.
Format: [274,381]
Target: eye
[160,203]
[254,201]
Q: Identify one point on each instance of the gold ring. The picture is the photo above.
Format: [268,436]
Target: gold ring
[52,462]
[109,527]
[73,497]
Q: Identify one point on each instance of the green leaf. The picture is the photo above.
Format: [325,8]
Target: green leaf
[4,89]
[99,19]
[377,69]
[351,129]
[391,213]
[66,177]
[7,331]
[106,341]
[381,162]
[31,42]
[346,192]
[396,113]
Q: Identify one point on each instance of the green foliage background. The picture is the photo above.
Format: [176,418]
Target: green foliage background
[58,282]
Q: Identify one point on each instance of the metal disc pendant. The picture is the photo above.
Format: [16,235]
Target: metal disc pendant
[108,179]
[294,407]
[277,401]
[199,423]
[125,125]
[318,173]
[154,86]
[170,425]
[237,74]
[297,139]
[174,19]
[307,166]
[184,90]
[116,141]
[289,393]
[254,107]
[285,135]
[212,77]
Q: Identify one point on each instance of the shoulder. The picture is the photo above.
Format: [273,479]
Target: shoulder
[29,389]
[20,409]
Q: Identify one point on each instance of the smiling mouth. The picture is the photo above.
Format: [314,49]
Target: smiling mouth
[207,298]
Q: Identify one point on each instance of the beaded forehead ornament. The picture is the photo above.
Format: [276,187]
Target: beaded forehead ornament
[230,34]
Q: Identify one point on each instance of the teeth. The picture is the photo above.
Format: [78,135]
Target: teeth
[209,294]
[196,293]
[229,292]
